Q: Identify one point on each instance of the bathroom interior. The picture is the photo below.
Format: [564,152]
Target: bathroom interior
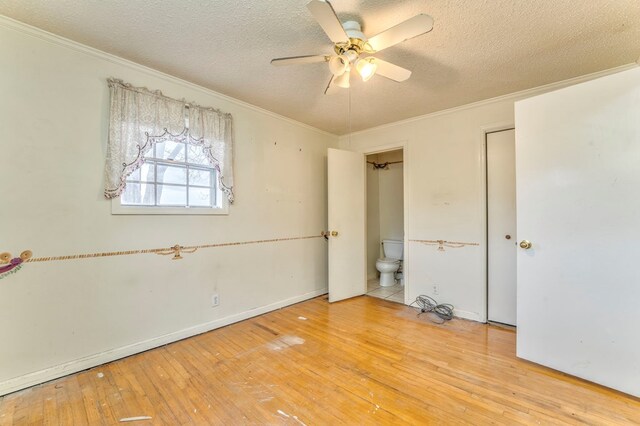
[385,225]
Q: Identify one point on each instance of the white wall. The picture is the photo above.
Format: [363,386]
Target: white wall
[577,157]
[58,317]
[445,194]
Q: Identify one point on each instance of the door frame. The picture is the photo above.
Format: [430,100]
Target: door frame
[378,149]
[484,131]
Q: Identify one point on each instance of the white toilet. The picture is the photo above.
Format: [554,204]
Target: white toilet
[389,264]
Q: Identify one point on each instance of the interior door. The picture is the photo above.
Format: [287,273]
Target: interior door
[501,226]
[346,218]
[578,181]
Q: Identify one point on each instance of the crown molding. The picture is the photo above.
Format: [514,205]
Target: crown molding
[30,30]
[527,93]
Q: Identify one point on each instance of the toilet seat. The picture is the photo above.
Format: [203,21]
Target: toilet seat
[388,260]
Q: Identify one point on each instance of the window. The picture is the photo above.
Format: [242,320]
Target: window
[175,178]
[165,156]
[173,175]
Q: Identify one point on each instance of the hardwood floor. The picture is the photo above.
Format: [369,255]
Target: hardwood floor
[361,361]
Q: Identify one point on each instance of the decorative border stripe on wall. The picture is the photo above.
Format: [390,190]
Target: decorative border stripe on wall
[10,266]
[444,243]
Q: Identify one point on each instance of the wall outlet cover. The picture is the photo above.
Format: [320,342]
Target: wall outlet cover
[215,300]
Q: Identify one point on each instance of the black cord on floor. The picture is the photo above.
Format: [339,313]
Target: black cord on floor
[444,312]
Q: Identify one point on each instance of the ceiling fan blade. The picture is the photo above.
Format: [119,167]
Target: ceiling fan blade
[328,20]
[410,28]
[297,60]
[393,72]
[331,88]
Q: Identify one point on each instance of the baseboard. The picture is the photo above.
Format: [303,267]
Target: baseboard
[91,361]
[473,316]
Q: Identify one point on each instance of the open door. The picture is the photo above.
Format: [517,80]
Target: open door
[578,180]
[347,239]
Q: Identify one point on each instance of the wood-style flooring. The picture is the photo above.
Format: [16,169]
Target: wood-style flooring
[360,361]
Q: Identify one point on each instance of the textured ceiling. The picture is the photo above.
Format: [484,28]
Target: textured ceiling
[478,49]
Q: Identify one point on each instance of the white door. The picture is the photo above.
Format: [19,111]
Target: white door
[347,210]
[578,193]
[501,226]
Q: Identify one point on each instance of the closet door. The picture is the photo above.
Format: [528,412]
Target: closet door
[501,226]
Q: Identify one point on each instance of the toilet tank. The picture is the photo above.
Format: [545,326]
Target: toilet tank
[393,248]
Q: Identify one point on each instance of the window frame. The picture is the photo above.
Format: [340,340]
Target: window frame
[117,208]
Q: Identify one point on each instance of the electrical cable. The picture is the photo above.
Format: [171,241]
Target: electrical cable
[444,311]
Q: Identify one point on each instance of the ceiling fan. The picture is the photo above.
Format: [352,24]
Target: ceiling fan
[352,47]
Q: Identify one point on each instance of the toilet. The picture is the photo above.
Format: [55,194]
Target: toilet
[389,264]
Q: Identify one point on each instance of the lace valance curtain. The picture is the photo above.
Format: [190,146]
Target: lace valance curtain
[139,118]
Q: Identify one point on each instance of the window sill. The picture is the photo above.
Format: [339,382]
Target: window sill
[119,209]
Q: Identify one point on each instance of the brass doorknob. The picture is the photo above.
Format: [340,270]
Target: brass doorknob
[334,233]
[525,244]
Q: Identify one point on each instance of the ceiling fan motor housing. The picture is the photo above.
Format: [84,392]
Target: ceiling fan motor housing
[357,42]
[354,30]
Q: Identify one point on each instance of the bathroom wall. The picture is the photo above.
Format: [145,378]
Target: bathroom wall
[64,316]
[391,196]
[445,186]
[385,206]
[373,218]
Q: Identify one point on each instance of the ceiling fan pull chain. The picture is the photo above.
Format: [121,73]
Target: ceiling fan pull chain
[349,116]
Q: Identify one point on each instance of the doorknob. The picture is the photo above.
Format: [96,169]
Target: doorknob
[525,244]
[334,233]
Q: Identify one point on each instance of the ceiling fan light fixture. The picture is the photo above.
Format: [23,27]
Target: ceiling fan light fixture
[349,42]
[351,55]
[338,65]
[343,79]
[366,68]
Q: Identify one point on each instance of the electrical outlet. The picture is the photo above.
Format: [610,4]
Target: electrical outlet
[435,289]
[215,300]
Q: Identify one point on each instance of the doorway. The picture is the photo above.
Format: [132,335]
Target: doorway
[501,227]
[385,225]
